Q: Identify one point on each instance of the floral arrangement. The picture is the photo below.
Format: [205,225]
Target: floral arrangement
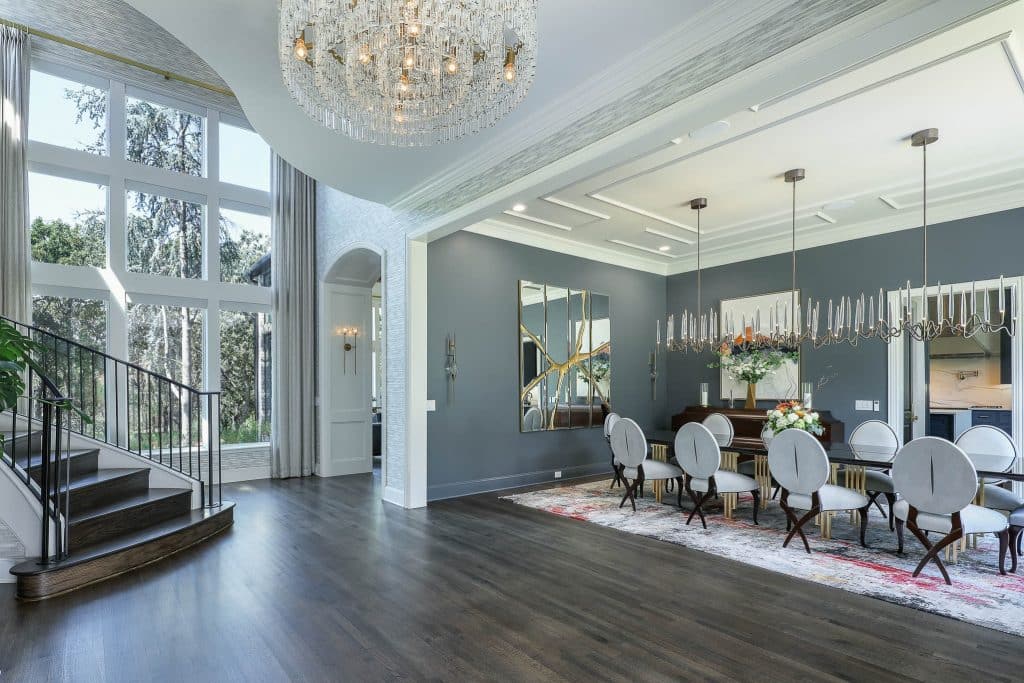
[751,363]
[792,415]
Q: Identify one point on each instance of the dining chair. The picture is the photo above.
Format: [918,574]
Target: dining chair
[721,428]
[609,422]
[880,438]
[937,482]
[799,464]
[631,450]
[990,448]
[533,421]
[700,457]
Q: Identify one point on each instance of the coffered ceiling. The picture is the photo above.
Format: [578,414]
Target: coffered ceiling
[850,132]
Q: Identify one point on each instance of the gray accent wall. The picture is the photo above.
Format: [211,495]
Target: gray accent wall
[970,249]
[474,442]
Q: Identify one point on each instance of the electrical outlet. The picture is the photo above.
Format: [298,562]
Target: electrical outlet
[558,474]
[863,405]
[878,405]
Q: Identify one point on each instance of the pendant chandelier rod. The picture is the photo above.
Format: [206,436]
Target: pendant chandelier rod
[793,176]
[698,204]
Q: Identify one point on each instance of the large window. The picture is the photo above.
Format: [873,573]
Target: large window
[146,214]
[67,220]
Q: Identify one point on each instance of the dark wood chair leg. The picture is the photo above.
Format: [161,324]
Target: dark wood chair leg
[873,498]
[1014,546]
[891,500]
[864,524]
[757,503]
[630,492]
[899,535]
[1004,540]
[698,503]
[679,495]
[934,550]
[797,524]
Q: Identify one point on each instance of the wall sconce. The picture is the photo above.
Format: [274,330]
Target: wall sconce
[347,333]
[653,365]
[451,369]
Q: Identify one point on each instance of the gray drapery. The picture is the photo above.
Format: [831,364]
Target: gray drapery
[293,343]
[15,282]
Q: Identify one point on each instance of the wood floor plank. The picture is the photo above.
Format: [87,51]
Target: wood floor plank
[319,580]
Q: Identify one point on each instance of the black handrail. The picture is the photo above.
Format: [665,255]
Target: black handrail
[129,407]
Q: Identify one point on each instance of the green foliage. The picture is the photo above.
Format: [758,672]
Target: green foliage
[82,244]
[15,358]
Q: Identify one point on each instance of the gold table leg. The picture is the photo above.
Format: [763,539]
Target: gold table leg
[764,479]
[659,452]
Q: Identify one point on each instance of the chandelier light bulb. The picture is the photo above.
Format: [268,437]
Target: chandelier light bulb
[413,29]
[451,65]
[301,50]
[409,61]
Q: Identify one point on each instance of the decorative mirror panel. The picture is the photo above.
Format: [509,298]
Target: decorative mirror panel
[564,357]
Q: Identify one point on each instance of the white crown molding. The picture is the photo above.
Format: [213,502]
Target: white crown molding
[539,221]
[576,207]
[562,245]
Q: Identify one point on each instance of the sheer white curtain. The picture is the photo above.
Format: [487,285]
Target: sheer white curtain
[293,343]
[15,283]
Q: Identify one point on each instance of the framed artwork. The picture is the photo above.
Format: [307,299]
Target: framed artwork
[784,383]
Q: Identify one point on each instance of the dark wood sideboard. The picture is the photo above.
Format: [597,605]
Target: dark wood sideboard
[749,423]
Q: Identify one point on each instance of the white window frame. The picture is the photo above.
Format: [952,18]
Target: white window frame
[115,283]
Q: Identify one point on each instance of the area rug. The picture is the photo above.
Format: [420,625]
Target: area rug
[979,594]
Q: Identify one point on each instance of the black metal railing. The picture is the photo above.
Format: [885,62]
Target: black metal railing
[129,407]
[54,467]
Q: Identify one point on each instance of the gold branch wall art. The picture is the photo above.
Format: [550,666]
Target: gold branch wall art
[564,357]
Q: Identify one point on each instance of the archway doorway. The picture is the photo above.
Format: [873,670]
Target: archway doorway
[353,406]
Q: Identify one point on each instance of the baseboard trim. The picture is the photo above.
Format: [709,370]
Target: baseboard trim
[246,474]
[469,488]
[341,468]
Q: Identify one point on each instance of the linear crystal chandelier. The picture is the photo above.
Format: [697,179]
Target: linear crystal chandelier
[408,72]
[849,321]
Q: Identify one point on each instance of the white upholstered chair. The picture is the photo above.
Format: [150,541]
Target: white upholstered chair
[799,464]
[609,422]
[533,421]
[876,440]
[937,482]
[630,448]
[721,428]
[699,456]
[990,448]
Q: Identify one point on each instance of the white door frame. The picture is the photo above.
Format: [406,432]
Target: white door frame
[895,394]
[325,330]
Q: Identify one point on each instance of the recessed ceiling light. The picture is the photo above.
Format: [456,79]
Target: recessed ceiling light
[519,207]
[839,204]
[664,247]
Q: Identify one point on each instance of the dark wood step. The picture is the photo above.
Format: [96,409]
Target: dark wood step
[83,461]
[94,489]
[127,515]
[102,561]
[21,443]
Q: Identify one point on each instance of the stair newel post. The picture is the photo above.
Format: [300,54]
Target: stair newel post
[44,482]
[66,526]
[212,445]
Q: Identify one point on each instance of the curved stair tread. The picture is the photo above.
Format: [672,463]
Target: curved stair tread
[137,500]
[89,479]
[97,562]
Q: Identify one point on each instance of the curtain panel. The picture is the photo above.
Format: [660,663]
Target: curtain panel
[293,343]
[15,263]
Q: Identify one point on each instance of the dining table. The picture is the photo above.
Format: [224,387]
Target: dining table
[849,464]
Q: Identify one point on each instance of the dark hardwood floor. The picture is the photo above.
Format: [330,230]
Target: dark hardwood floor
[320,581]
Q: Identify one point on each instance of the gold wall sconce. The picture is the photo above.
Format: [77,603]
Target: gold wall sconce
[348,344]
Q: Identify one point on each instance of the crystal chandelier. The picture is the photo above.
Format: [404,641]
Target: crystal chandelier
[408,72]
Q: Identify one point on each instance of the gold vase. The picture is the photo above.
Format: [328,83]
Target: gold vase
[751,403]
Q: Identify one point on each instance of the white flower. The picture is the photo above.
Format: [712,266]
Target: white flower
[792,417]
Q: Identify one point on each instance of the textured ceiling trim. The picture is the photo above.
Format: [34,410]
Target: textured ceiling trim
[785,28]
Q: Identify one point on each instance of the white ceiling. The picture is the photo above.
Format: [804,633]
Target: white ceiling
[851,134]
[577,41]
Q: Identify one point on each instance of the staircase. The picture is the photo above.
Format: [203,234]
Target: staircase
[102,514]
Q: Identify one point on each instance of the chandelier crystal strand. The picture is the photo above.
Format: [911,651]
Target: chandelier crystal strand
[408,72]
